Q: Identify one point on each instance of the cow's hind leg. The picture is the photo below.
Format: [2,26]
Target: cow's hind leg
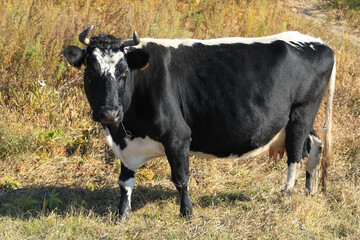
[297,130]
[313,150]
[293,174]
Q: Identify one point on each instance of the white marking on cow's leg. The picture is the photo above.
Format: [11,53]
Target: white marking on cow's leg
[293,172]
[126,183]
[312,165]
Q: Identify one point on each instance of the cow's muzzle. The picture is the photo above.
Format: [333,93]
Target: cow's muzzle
[108,115]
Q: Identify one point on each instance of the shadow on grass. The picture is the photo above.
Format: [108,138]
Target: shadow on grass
[223,199]
[35,201]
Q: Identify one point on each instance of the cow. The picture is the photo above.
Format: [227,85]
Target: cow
[229,97]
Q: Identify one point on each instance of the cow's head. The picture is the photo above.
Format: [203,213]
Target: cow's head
[108,65]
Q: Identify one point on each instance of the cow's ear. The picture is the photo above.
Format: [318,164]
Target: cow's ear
[75,56]
[137,58]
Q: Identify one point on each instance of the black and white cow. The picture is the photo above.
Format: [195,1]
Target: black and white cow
[229,97]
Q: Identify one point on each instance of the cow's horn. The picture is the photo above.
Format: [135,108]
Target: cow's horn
[83,37]
[132,42]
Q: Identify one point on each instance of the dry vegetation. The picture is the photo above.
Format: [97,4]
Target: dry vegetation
[347,11]
[59,181]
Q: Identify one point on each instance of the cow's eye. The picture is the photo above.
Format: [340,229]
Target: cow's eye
[124,74]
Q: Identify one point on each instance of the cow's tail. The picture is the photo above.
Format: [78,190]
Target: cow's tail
[327,155]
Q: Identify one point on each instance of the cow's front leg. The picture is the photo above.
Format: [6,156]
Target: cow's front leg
[177,152]
[180,177]
[126,182]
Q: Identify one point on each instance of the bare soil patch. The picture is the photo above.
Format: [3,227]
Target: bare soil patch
[314,11]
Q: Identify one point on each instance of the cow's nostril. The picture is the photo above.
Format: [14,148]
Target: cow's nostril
[102,115]
[110,116]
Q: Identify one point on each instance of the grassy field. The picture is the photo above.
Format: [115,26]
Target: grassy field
[58,180]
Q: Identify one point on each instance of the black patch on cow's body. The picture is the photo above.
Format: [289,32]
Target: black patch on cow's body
[233,97]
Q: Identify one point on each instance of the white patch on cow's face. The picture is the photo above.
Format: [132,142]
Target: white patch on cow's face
[277,142]
[108,60]
[137,151]
[292,38]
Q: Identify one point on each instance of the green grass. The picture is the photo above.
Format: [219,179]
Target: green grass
[58,180]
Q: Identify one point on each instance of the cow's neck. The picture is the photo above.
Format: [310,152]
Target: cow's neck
[117,132]
[129,91]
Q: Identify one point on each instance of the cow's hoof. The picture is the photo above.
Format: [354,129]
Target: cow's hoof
[287,193]
[187,216]
[186,213]
[311,190]
[121,217]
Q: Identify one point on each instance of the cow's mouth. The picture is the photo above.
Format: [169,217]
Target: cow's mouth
[109,116]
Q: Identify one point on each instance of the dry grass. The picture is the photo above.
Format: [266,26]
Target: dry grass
[344,10]
[58,180]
